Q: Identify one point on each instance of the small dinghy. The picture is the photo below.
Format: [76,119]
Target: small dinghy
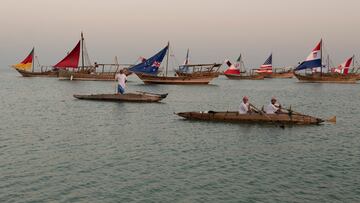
[127,97]
[282,118]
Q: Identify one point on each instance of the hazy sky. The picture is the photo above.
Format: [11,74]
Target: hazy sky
[212,29]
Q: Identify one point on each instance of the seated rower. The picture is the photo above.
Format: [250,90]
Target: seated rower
[273,107]
[245,106]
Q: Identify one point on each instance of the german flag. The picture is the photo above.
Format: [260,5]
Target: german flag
[26,64]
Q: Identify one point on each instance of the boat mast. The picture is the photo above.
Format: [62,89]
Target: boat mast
[33,60]
[328,62]
[167,59]
[321,57]
[82,51]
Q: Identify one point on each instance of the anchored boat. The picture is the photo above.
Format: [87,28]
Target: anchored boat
[70,69]
[268,71]
[228,116]
[127,97]
[314,62]
[27,68]
[239,72]
[148,71]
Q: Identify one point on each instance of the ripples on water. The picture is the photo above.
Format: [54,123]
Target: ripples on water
[54,148]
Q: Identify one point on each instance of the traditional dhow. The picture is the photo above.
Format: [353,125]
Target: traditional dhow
[148,71]
[127,97]
[267,70]
[71,70]
[27,68]
[239,72]
[314,62]
[228,116]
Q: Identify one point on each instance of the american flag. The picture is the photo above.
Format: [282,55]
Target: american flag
[268,63]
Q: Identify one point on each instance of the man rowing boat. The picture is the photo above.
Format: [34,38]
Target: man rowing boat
[273,107]
[245,107]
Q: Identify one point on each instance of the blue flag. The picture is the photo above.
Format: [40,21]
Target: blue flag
[151,65]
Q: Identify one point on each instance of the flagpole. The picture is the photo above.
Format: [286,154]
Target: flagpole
[321,49]
[82,51]
[167,59]
[33,59]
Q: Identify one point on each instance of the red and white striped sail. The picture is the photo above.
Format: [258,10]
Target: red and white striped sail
[232,70]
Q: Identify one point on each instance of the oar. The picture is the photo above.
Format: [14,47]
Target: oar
[268,117]
[330,120]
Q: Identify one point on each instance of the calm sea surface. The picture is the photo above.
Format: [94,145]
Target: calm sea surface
[54,148]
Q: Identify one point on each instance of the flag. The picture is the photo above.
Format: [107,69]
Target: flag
[344,67]
[313,60]
[266,67]
[151,65]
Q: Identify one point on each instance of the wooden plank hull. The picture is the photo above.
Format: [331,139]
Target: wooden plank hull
[88,76]
[244,77]
[199,74]
[327,78]
[283,75]
[285,118]
[127,97]
[38,74]
[176,80]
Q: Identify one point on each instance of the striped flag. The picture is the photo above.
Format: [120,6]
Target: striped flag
[266,67]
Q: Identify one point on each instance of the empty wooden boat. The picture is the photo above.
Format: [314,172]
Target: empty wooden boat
[127,97]
[283,118]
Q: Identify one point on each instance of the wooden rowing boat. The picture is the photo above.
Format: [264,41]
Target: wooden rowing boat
[127,97]
[283,118]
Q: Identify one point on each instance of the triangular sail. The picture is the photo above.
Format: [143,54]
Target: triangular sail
[184,68]
[71,60]
[314,60]
[344,67]
[267,66]
[151,65]
[232,69]
[26,64]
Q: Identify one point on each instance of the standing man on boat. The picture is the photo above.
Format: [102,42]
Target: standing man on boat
[245,106]
[273,107]
[121,78]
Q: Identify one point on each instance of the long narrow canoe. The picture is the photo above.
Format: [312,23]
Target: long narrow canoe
[127,97]
[283,118]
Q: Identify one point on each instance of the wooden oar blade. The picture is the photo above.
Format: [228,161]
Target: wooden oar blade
[332,120]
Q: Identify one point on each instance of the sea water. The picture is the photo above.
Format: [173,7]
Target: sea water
[55,148]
